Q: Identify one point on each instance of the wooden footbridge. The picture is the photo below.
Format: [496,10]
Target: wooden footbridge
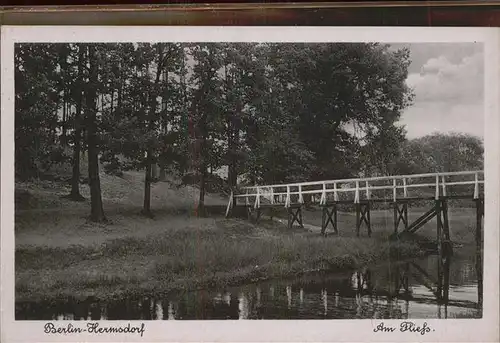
[362,193]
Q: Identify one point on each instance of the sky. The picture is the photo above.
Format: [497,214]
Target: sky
[448,83]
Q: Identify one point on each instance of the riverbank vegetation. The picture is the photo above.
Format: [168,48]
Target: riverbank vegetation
[177,252]
[60,253]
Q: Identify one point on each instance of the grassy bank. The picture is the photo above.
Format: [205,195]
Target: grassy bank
[59,253]
[178,252]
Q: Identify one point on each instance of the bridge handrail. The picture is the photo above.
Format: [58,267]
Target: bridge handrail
[373,178]
[439,183]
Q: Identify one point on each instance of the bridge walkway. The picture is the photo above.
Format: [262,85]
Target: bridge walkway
[434,190]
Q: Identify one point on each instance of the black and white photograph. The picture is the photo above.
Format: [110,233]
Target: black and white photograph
[185,180]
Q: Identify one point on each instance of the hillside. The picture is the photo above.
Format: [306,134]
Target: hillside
[118,193]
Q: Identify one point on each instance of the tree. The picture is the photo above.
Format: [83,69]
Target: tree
[243,86]
[269,112]
[274,151]
[332,89]
[172,109]
[36,109]
[443,153]
[97,211]
[117,134]
[382,149]
[141,126]
[77,126]
[151,118]
[205,119]
[64,87]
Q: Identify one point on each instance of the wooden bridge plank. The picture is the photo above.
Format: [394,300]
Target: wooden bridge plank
[351,202]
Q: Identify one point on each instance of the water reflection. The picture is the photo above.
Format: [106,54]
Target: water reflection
[415,289]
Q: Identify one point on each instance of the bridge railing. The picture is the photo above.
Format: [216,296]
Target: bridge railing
[358,189]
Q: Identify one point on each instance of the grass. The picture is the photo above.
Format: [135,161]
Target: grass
[118,193]
[182,253]
[60,254]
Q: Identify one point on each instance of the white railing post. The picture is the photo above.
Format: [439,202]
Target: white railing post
[301,198]
[437,187]
[229,204]
[441,184]
[356,194]
[257,199]
[476,186]
[394,189]
[322,201]
[444,185]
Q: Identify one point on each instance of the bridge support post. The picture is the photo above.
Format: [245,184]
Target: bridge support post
[443,228]
[479,224]
[363,216]
[446,284]
[447,246]
[400,215]
[295,215]
[479,250]
[445,249]
[327,218]
[439,237]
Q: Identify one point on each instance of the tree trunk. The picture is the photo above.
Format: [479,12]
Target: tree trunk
[255,139]
[119,98]
[232,135]
[151,126]
[231,173]
[146,210]
[112,101]
[97,211]
[63,62]
[64,119]
[163,174]
[154,172]
[234,157]
[201,200]
[203,168]
[75,179]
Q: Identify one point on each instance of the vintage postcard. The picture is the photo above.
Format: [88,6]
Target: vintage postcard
[249,184]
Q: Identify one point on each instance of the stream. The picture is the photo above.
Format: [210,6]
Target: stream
[410,289]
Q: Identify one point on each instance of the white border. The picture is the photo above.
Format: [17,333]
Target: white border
[459,330]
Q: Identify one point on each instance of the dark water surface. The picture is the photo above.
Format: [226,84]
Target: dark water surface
[410,289]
